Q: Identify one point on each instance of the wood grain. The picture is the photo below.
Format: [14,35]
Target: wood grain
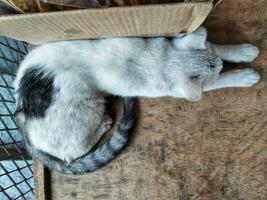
[41,180]
[213,149]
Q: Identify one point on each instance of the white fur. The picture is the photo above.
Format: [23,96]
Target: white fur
[235,53]
[234,78]
[86,70]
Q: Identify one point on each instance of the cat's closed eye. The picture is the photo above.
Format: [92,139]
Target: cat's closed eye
[194,77]
[211,66]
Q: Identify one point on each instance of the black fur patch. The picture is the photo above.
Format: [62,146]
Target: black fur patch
[36,91]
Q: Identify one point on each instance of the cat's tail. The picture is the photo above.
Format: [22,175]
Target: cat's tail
[98,158]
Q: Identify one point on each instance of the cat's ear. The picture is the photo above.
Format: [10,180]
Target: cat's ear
[192,41]
[192,90]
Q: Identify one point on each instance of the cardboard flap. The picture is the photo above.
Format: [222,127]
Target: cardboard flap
[141,21]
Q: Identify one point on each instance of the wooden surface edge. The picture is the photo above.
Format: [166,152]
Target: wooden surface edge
[41,181]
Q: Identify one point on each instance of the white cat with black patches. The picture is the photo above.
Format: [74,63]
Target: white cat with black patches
[61,88]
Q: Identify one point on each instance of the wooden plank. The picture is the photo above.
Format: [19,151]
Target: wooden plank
[213,149]
[41,181]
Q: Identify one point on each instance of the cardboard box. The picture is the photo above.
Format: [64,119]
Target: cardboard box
[141,21]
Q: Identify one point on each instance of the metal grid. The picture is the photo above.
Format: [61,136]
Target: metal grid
[16,176]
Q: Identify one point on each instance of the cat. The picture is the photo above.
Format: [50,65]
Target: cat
[60,89]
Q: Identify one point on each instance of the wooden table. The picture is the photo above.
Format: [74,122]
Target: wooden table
[213,149]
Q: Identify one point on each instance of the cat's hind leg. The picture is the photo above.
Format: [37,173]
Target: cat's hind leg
[234,53]
[234,78]
[104,127]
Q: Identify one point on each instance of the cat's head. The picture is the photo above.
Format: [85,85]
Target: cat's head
[194,69]
[195,64]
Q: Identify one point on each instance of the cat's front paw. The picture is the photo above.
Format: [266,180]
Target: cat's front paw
[246,77]
[248,52]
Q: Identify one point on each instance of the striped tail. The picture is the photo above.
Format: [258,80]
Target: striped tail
[95,159]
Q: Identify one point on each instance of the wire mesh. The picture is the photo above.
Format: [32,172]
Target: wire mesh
[16,176]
